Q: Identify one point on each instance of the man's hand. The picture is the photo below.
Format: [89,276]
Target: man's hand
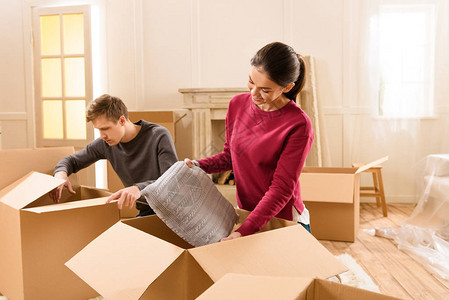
[125,197]
[55,194]
[233,235]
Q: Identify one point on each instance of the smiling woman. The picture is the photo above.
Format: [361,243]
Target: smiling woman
[267,94]
[268,138]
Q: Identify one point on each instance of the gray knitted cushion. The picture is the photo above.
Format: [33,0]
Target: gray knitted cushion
[187,201]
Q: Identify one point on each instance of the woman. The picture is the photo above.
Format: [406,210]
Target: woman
[268,138]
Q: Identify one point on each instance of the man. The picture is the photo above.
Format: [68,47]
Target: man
[139,152]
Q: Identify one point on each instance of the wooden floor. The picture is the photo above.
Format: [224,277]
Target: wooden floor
[395,273]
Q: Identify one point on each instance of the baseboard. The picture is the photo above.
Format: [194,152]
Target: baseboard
[405,199]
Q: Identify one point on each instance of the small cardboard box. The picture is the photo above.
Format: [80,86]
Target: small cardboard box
[244,287]
[332,196]
[146,260]
[38,237]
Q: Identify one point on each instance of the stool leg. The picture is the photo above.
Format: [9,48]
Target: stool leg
[382,194]
[376,188]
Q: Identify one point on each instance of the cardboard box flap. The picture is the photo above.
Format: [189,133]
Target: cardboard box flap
[69,205]
[339,187]
[372,164]
[239,286]
[289,251]
[325,289]
[29,188]
[123,261]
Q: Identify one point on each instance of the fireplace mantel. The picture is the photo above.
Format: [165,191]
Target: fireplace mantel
[207,104]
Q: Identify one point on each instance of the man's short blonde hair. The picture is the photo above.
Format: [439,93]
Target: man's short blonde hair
[111,107]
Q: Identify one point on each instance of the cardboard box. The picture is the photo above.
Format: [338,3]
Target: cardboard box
[163,118]
[332,196]
[38,237]
[244,287]
[145,259]
[16,163]
[229,192]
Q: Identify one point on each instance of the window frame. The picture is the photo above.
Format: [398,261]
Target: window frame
[429,79]
[88,85]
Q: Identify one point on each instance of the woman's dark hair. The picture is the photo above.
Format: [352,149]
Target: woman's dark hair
[282,65]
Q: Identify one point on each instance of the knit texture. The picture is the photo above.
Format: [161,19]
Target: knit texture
[188,202]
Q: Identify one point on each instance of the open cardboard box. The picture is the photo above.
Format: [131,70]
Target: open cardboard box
[142,258]
[37,236]
[244,287]
[332,195]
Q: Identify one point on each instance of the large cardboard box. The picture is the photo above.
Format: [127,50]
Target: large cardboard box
[332,196]
[244,287]
[37,236]
[146,260]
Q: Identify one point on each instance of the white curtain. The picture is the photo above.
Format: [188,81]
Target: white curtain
[409,141]
[406,140]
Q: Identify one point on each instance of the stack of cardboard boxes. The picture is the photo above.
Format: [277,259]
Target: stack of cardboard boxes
[78,249]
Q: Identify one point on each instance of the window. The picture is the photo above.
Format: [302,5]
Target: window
[63,74]
[406,53]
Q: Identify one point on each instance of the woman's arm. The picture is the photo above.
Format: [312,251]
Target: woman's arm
[285,178]
[222,161]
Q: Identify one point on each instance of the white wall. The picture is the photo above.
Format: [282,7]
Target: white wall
[151,48]
[12,76]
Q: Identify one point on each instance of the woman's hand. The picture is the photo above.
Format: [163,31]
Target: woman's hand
[188,162]
[233,235]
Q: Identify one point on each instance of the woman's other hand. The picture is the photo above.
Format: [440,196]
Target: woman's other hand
[232,236]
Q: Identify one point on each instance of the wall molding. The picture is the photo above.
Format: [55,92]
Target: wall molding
[346,110]
[396,199]
[139,74]
[14,116]
[443,109]
[288,21]
[195,53]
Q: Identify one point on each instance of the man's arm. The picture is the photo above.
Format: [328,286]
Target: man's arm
[81,159]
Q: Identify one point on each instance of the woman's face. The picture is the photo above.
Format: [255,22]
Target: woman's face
[265,92]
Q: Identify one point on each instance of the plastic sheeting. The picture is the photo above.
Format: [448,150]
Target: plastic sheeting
[425,234]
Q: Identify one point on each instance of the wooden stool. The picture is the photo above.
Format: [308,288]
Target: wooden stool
[377,188]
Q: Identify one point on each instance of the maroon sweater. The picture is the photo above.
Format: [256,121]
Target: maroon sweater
[267,151]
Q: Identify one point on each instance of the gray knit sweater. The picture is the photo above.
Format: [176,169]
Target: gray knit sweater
[138,162]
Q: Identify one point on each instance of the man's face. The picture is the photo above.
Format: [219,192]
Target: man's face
[111,132]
